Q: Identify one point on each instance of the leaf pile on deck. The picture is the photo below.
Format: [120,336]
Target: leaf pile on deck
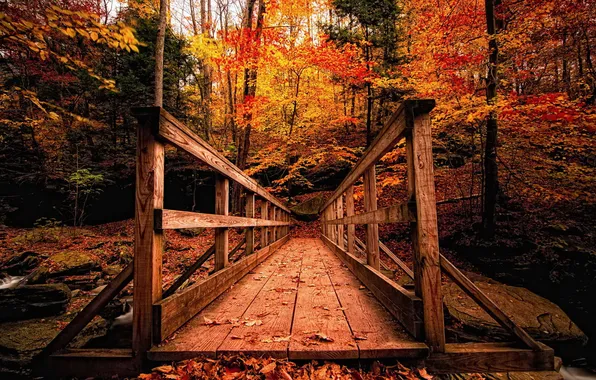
[241,367]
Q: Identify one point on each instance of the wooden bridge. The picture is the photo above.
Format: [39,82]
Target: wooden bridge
[323,297]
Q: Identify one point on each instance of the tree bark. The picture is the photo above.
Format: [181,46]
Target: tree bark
[159,52]
[491,178]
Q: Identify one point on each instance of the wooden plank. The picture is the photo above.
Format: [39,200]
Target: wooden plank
[148,248]
[377,333]
[222,206]
[396,260]
[318,312]
[401,303]
[173,312]
[236,249]
[200,338]
[372,230]
[428,235]
[351,230]
[489,357]
[340,228]
[392,214]
[177,134]
[391,133]
[83,363]
[361,248]
[273,309]
[250,231]
[487,304]
[174,219]
[189,272]
[411,172]
[85,316]
[264,216]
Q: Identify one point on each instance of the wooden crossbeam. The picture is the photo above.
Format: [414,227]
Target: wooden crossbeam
[90,311]
[392,214]
[487,304]
[174,219]
[396,260]
[192,269]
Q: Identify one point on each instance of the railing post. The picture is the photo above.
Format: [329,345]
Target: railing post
[250,231]
[427,265]
[265,216]
[350,212]
[148,245]
[222,202]
[372,230]
[271,230]
[340,227]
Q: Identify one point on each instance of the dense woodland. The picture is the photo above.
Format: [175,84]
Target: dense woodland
[293,92]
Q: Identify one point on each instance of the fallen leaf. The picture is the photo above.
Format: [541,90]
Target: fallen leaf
[359,337]
[236,337]
[268,368]
[422,372]
[164,369]
[321,337]
[362,287]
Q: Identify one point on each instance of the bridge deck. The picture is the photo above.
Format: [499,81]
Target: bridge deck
[301,303]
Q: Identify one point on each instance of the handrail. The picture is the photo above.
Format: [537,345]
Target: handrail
[174,132]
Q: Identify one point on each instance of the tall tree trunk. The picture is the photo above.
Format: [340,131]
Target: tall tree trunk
[206,70]
[491,178]
[369,93]
[159,51]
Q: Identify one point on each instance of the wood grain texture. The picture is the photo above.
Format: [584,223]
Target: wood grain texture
[401,303]
[372,230]
[391,133]
[427,257]
[318,312]
[148,246]
[82,363]
[174,219]
[377,333]
[351,229]
[250,231]
[177,134]
[264,216]
[489,357]
[222,207]
[411,172]
[340,227]
[173,312]
[487,304]
[200,338]
[273,307]
[392,214]
[396,260]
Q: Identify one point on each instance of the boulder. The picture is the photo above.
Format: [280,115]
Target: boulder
[309,210]
[541,318]
[20,263]
[69,263]
[33,301]
[190,232]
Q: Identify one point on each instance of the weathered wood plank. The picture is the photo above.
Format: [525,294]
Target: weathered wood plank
[90,311]
[411,172]
[177,134]
[273,309]
[487,304]
[377,333]
[396,260]
[340,228]
[198,336]
[351,230]
[82,363]
[250,231]
[361,248]
[222,206]
[148,248]
[318,311]
[372,230]
[392,214]
[171,313]
[174,219]
[428,235]
[391,133]
[489,357]
[401,303]
[264,217]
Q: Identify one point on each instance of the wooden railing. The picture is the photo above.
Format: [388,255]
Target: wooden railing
[159,313]
[420,311]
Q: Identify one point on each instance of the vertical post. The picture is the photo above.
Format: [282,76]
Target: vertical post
[412,205]
[372,230]
[264,215]
[148,248]
[333,212]
[222,204]
[350,212]
[340,227]
[275,218]
[427,259]
[250,231]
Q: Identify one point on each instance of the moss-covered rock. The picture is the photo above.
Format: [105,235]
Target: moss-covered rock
[309,210]
[70,263]
[33,301]
[20,263]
